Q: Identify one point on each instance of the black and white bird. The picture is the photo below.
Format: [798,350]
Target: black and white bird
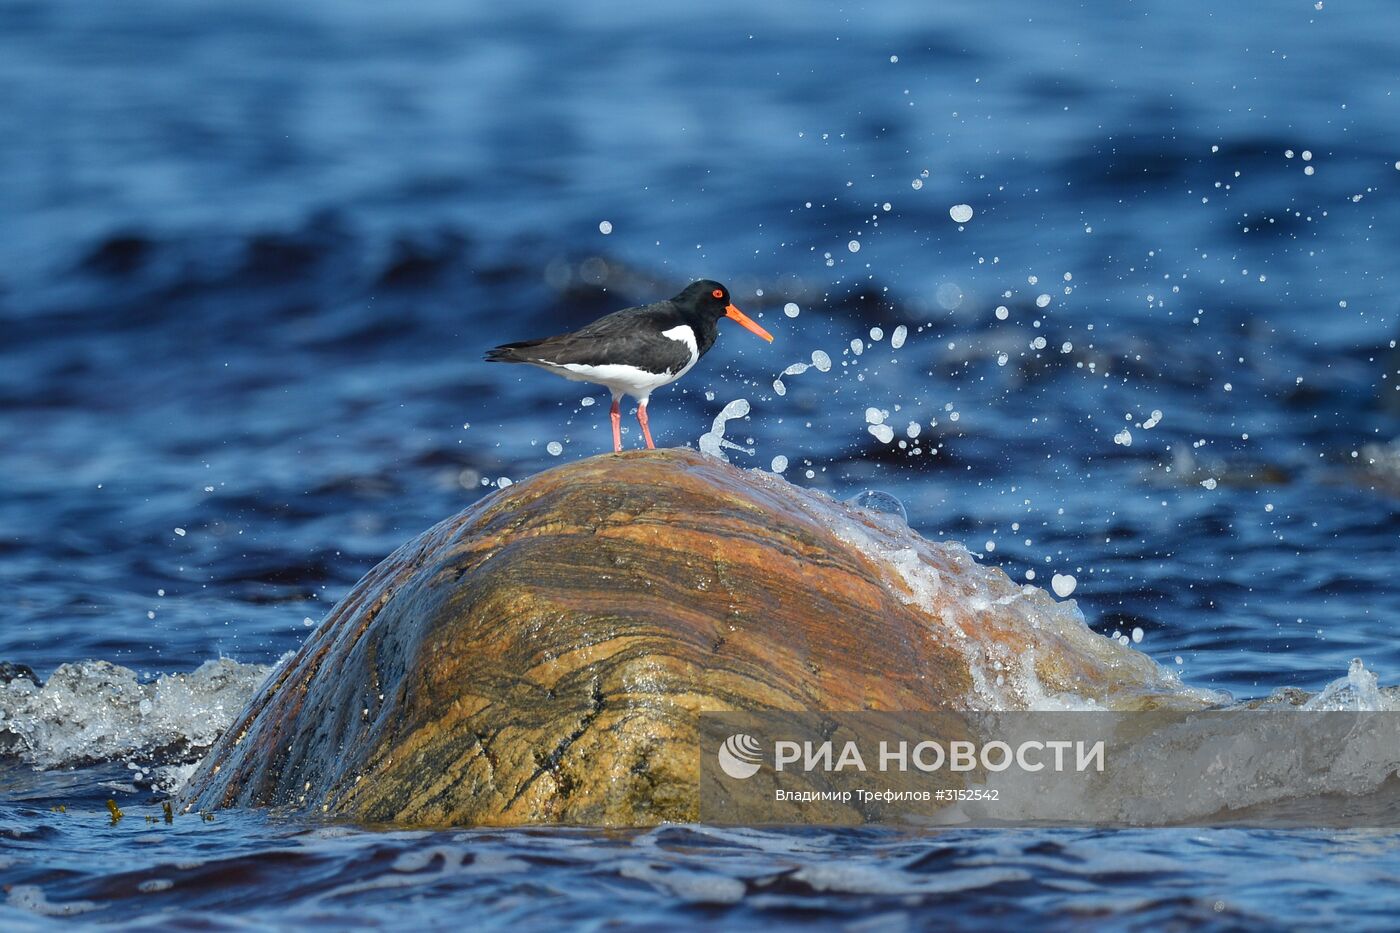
[635,351]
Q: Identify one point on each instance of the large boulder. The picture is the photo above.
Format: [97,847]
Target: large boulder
[541,656]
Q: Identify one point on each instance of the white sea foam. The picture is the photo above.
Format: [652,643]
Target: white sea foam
[91,711]
[846,876]
[31,898]
[688,887]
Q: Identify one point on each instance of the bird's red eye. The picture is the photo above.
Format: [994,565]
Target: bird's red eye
[718,293]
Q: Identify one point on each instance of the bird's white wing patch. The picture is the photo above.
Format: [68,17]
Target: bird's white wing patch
[682,333]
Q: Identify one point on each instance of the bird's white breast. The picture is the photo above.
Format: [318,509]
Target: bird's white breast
[618,377]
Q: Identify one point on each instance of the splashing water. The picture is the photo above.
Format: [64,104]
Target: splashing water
[713,442]
[1359,690]
[98,711]
[880,502]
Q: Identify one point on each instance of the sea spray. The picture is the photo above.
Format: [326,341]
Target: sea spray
[1359,690]
[820,361]
[944,581]
[94,711]
[713,441]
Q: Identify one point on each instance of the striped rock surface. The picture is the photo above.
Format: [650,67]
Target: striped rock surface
[541,656]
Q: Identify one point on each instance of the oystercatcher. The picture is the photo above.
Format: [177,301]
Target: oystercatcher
[635,351]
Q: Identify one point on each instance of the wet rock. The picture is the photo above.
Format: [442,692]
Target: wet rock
[542,656]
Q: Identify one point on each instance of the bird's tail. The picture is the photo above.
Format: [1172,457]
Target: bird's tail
[509,352]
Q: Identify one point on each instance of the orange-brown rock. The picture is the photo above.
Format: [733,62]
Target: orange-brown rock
[541,656]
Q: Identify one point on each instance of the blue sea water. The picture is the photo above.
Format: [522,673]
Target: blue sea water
[252,254]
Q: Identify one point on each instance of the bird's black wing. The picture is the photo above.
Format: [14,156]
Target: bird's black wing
[631,336]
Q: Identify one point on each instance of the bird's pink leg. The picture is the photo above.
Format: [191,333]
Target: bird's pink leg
[646,431]
[616,415]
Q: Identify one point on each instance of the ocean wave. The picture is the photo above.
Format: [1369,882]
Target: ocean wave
[90,712]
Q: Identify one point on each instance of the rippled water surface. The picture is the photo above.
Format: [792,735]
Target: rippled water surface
[713,877]
[252,255]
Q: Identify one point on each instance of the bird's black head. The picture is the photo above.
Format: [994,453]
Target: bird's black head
[707,301]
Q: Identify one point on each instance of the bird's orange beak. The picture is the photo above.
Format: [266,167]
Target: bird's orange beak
[748,322]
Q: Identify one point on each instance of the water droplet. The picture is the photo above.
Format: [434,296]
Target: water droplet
[882,432]
[876,500]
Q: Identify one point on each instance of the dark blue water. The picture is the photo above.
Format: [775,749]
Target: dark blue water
[252,255]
